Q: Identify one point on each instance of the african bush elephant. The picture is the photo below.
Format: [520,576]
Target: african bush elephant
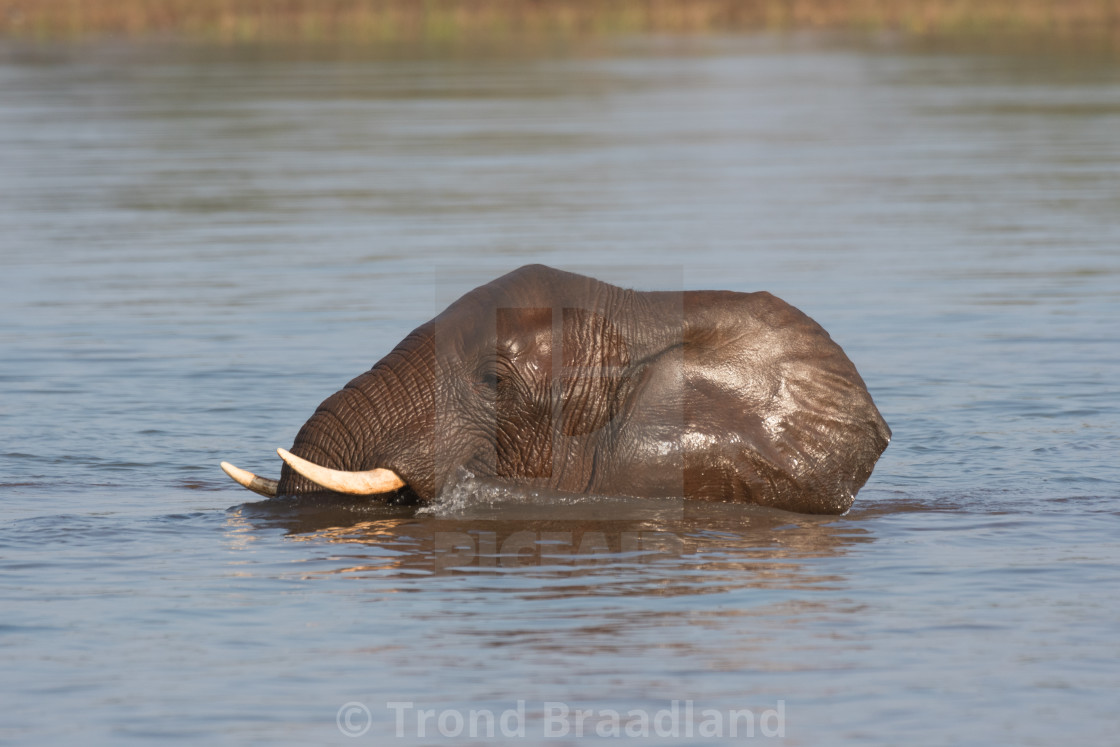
[551,379]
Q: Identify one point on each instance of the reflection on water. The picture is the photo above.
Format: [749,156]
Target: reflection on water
[697,549]
[197,245]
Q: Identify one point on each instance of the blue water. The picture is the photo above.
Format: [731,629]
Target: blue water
[198,245]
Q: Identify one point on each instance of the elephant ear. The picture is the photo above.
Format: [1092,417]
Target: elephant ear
[594,376]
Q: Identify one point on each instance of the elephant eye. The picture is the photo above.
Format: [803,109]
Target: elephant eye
[489,379]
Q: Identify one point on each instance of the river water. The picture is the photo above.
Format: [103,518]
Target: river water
[197,245]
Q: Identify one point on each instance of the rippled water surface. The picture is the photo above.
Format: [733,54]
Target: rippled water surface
[198,245]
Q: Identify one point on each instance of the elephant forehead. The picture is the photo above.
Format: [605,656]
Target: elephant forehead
[523,331]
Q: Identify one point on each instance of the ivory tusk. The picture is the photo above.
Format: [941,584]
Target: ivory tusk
[261,485]
[356,483]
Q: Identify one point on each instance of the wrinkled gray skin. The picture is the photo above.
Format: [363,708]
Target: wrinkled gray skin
[551,379]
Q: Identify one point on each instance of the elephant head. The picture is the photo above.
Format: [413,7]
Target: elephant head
[552,379]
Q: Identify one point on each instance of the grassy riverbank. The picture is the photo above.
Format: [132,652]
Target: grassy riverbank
[392,20]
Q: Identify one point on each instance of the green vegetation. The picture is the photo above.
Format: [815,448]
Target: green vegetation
[377,20]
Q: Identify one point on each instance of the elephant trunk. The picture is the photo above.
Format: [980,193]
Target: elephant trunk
[363,439]
[336,438]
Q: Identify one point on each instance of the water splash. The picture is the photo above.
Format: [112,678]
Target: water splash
[471,496]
